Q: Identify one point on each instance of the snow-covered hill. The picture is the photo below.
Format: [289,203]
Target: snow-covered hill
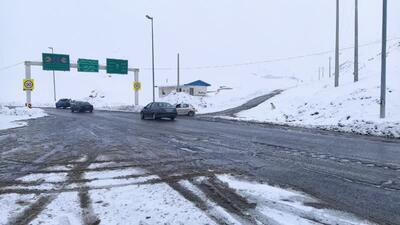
[352,107]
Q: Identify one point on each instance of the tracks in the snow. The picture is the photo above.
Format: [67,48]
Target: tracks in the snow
[212,189]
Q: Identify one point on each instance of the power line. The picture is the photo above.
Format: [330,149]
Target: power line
[247,63]
[10,66]
[270,60]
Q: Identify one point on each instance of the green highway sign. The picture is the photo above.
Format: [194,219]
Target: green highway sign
[117,66]
[55,62]
[88,65]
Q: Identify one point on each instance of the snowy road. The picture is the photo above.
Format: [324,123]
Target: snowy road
[113,168]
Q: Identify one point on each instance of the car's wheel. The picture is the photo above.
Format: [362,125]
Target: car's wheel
[191,113]
[172,118]
[91,111]
[154,116]
[64,107]
[72,110]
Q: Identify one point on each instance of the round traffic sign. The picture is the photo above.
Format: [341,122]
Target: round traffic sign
[28,84]
[137,86]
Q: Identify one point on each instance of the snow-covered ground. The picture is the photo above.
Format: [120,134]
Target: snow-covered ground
[11,117]
[352,107]
[119,193]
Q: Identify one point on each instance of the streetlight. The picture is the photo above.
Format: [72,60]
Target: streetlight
[54,77]
[152,52]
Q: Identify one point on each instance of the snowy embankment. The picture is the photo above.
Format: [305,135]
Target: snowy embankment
[11,117]
[352,107]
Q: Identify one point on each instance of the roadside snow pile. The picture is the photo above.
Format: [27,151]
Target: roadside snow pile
[100,101]
[352,107]
[10,117]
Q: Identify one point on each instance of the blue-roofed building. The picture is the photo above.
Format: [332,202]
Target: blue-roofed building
[195,88]
[199,83]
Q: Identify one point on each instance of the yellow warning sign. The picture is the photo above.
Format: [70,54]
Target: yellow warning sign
[28,84]
[137,86]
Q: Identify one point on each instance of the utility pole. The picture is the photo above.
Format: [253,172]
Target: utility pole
[54,78]
[337,46]
[330,66]
[319,73]
[323,72]
[152,54]
[356,42]
[177,71]
[383,75]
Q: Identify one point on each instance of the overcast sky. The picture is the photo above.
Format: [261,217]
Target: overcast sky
[206,32]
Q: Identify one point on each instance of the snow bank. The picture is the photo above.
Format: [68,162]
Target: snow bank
[352,107]
[11,117]
[102,100]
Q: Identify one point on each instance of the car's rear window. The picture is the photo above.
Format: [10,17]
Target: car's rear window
[164,105]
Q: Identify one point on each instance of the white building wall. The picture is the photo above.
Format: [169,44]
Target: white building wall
[197,90]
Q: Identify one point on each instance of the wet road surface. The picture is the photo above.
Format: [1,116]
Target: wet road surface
[352,173]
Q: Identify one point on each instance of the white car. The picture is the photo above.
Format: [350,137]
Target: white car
[184,109]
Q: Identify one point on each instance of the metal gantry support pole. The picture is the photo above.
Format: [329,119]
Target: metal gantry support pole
[330,66]
[337,46]
[136,79]
[356,42]
[28,93]
[383,66]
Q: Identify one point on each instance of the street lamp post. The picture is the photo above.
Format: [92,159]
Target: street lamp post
[152,52]
[54,78]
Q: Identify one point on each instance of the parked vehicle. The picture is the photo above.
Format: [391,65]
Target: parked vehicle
[158,110]
[80,106]
[185,109]
[63,103]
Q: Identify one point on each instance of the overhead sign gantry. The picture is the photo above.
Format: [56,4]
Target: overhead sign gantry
[61,62]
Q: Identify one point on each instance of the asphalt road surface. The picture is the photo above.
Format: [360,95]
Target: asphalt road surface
[252,103]
[356,174]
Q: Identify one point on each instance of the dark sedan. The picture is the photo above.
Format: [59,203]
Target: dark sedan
[79,106]
[158,110]
[63,103]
